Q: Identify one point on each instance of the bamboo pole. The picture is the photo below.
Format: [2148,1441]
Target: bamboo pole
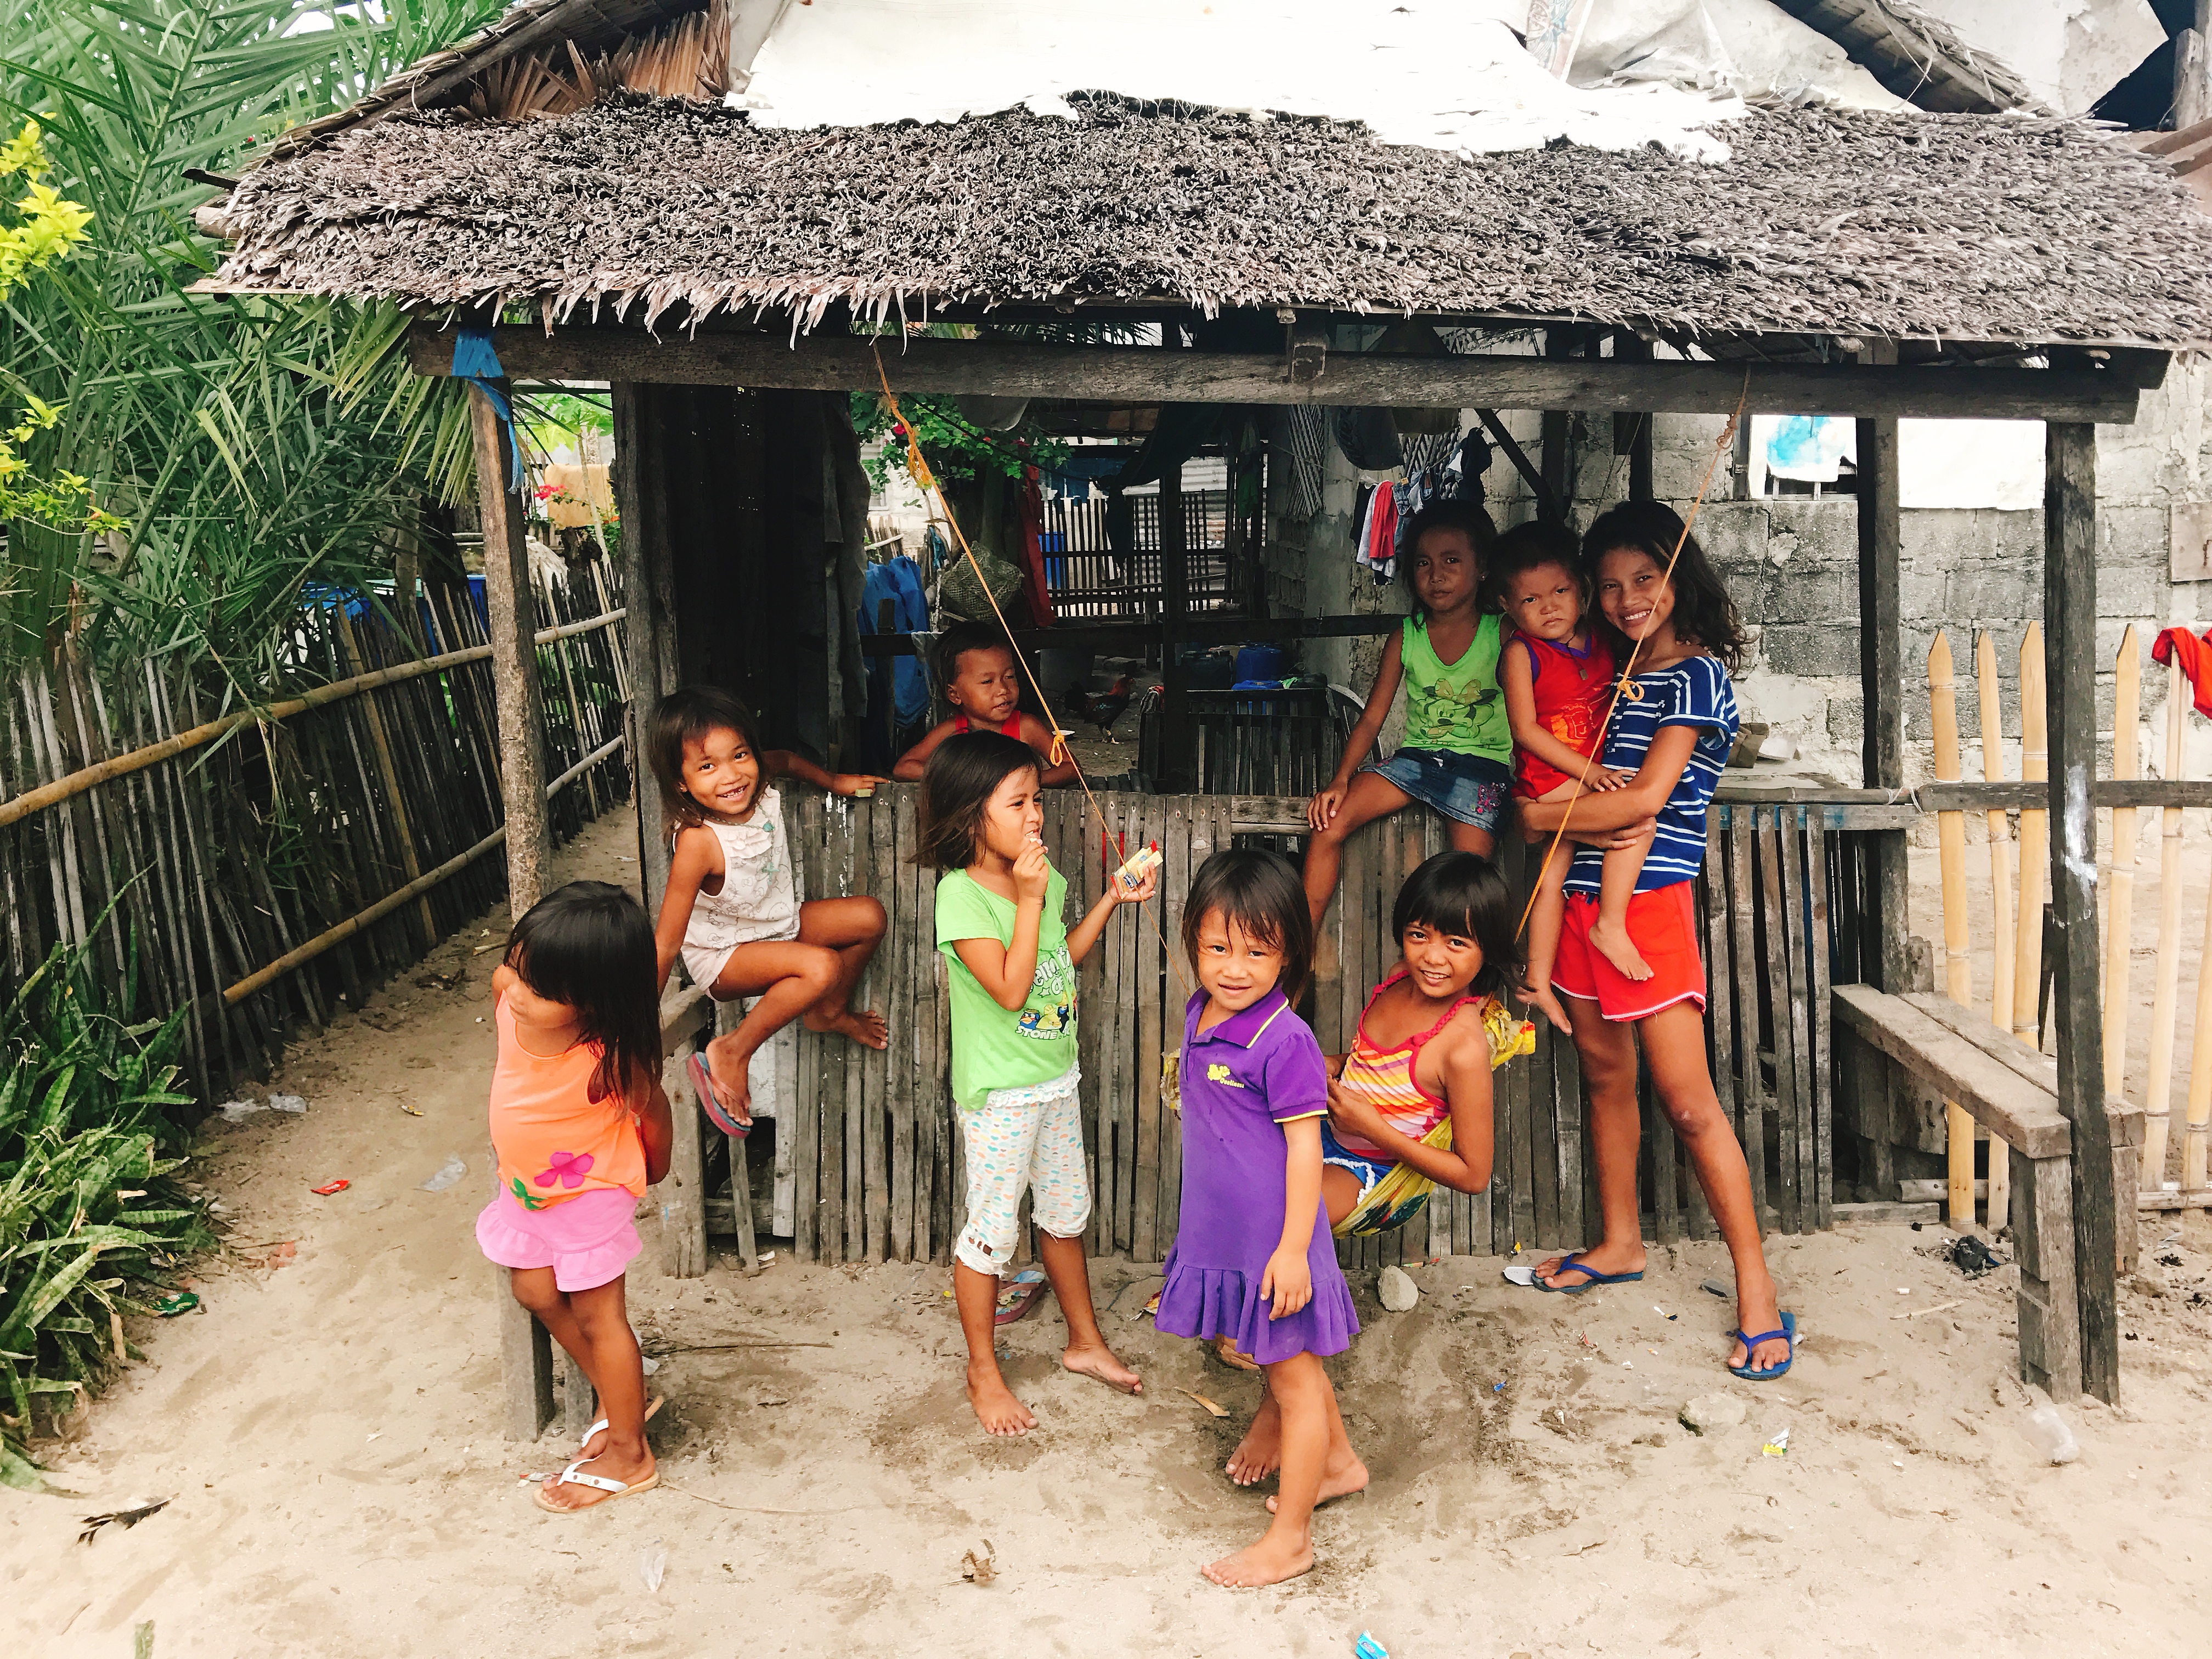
[2034,841]
[1951,841]
[2158,1095]
[2001,977]
[63,788]
[2120,915]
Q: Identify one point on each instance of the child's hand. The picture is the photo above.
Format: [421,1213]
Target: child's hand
[1288,1280]
[853,783]
[1324,807]
[1351,1113]
[1605,778]
[1144,890]
[1032,872]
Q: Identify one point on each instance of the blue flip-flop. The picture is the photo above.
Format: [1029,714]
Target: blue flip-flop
[1789,1331]
[1590,1276]
[702,1082]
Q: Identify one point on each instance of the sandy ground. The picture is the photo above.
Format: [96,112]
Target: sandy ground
[326,1435]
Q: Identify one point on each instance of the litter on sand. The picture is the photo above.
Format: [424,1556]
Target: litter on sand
[1218,1411]
[979,1569]
[177,1302]
[652,1563]
[125,1519]
[330,1187]
[447,1173]
[1777,1444]
[1973,1257]
[1714,1287]
[292,1103]
[1518,1274]
[1367,1648]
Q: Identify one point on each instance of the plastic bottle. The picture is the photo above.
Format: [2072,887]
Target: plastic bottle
[2051,1435]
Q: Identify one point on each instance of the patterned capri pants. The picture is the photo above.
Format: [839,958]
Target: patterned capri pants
[1020,1137]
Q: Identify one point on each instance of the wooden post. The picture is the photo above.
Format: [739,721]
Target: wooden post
[1178,748]
[1557,454]
[516,695]
[2119,918]
[2158,1095]
[2000,836]
[1632,433]
[2069,604]
[1957,980]
[1882,678]
[2192,71]
[648,642]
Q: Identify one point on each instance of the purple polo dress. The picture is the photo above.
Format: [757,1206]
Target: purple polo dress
[1242,1081]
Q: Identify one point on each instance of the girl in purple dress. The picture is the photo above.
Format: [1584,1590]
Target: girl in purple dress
[1253,1259]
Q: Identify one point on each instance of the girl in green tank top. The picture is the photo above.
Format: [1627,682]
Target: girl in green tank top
[1456,756]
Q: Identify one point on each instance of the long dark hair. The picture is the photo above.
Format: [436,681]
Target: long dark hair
[1471,521]
[685,716]
[1704,613]
[962,775]
[1262,893]
[1461,893]
[590,945]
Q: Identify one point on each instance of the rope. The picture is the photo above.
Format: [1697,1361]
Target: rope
[918,470]
[1624,686]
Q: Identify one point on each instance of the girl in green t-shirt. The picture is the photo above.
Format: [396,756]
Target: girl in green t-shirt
[1010,964]
[1456,756]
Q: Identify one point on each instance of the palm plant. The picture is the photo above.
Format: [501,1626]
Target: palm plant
[247,447]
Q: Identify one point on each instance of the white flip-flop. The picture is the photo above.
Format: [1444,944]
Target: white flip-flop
[574,1476]
[651,1406]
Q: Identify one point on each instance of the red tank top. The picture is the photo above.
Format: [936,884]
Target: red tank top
[1012,728]
[1572,690]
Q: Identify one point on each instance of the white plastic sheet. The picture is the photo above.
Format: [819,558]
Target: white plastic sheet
[1972,464]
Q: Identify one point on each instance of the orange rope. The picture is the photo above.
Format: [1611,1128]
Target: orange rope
[918,470]
[1624,686]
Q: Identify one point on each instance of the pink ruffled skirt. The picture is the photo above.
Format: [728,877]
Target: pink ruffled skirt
[588,1240]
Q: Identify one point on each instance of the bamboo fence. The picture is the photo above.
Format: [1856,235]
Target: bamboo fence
[2013,902]
[259,867]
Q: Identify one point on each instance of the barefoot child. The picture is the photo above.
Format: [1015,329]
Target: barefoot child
[1455,754]
[1556,672]
[983,684]
[1674,736]
[1010,962]
[731,908]
[1253,1260]
[580,1128]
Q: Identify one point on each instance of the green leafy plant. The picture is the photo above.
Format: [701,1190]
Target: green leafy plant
[90,1221]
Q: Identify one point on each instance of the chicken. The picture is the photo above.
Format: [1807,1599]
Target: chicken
[1102,708]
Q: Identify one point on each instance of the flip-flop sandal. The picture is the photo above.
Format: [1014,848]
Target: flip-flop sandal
[1789,1331]
[1020,1293]
[1590,1276]
[572,1476]
[702,1081]
[651,1406]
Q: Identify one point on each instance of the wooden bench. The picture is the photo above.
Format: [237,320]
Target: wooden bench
[526,1352]
[2011,1090]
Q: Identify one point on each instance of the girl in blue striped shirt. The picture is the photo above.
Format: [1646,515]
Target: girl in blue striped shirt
[1672,728]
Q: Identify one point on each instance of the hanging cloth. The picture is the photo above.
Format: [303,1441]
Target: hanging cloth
[2196,657]
[1033,579]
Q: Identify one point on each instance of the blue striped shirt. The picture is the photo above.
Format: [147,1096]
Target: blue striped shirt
[1694,692]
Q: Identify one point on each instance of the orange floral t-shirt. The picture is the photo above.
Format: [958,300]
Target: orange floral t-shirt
[553,1141]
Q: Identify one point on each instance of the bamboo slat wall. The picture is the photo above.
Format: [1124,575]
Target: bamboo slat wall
[223,859]
[867,1155]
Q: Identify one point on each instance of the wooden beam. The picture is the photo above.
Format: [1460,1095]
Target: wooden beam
[1133,636]
[2103,792]
[517,699]
[2069,610]
[1882,675]
[1146,375]
[2192,91]
[1548,504]
[2016,1113]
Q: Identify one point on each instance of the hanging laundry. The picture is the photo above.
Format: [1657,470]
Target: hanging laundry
[2196,657]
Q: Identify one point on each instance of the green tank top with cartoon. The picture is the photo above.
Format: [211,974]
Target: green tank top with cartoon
[1456,707]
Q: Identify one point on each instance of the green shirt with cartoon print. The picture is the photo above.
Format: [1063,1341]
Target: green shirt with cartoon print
[993,1047]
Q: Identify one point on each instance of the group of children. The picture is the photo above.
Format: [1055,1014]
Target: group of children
[1517,662]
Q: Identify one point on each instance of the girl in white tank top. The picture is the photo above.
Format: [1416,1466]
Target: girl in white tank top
[731,909]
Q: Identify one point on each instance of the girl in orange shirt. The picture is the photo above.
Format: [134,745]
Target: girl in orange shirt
[580,1129]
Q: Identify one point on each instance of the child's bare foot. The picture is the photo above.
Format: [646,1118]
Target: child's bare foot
[1605,1259]
[1539,996]
[633,1468]
[865,1026]
[996,1408]
[1337,1480]
[1270,1561]
[1260,1453]
[1614,945]
[1097,1360]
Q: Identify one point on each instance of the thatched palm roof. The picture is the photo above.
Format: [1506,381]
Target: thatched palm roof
[2011,230]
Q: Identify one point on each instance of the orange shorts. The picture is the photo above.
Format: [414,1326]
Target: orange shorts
[1663,925]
